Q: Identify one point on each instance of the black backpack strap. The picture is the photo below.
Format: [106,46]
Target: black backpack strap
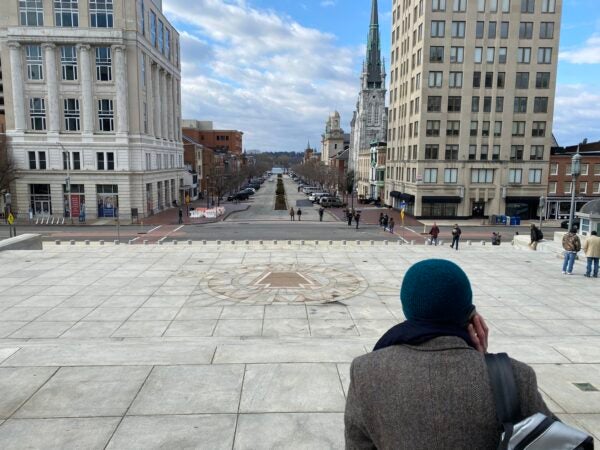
[505,391]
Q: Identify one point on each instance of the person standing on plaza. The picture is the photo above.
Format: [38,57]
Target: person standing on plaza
[357,218]
[349,216]
[381,219]
[434,232]
[292,214]
[386,221]
[299,214]
[591,247]
[456,232]
[536,236]
[180,216]
[391,225]
[321,212]
[571,244]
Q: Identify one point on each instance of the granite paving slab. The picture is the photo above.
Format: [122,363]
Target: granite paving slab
[18,384]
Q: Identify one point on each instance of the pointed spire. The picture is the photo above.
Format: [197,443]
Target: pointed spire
[373,62]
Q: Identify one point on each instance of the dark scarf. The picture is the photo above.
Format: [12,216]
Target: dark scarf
[416,333]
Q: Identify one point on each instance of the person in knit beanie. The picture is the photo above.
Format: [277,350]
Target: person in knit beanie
[426,386]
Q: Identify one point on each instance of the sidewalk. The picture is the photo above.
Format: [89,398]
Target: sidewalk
[370,215]
[171,215]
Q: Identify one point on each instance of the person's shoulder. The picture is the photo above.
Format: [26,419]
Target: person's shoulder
[524,373]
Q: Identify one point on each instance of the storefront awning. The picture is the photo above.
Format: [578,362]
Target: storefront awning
[440,199]
[402,196]
[528,200]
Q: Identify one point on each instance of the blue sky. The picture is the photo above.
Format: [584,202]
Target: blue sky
[276,68]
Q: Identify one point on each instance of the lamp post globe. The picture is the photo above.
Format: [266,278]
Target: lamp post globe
[575,172]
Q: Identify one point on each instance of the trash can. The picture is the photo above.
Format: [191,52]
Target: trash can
[502,220]
[515,221]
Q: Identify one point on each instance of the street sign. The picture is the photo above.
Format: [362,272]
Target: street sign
[11,219]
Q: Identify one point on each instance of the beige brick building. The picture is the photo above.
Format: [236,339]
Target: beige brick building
[472,86]
[92,93]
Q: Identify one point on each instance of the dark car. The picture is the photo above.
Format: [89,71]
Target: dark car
[239,196]
[565,223]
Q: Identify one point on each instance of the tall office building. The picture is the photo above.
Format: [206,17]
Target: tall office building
[472,90]
[93,110]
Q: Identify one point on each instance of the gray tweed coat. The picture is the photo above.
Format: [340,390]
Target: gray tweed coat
[432,396]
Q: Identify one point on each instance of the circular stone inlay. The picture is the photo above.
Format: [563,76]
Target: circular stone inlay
[282,283]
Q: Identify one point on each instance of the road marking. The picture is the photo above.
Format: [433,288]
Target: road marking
[155,228]
[177,229]
[135,239]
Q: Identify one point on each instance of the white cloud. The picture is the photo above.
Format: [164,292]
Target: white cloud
[326,3]
[588,54]
[576,115]
[262,72]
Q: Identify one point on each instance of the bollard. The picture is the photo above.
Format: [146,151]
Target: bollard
[218,242]
[372,242]
[385,242]
[189,242]
[260,242]
[440,242]
[482,242]
[174,242]
[247,242]
[316,242]
[343,242]
[130,242]
[117,242]
[160,242]
[145,241]
[274,242]
[101,242]
[357,242]
[57,242]
[87,242]
[203,242]
[301,242]
[330,242]
[469,242]
[72,242]
[289,242]
[412,242]
[232,242]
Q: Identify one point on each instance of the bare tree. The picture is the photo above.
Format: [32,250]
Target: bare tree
[8,168]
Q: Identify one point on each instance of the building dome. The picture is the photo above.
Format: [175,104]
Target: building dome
[592,208]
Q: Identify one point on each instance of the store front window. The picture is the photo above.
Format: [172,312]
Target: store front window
[77,204]
[107,196]
[40,201]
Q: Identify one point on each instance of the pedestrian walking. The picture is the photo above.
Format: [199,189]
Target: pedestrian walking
[456,232]
[571,244]
[386,221]
[31,215]
[391,225]
[349,216]
[299,214]
[321,212]
[381,219]
[292,214]
[536,236]
[357,218]
[180,216]
[591,247]
[434,232]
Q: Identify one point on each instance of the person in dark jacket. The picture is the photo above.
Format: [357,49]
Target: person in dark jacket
[535,236]
[349,216]
[299,214]
[381,219]
[357,218]
[456,232]
[434,232]
[426,386]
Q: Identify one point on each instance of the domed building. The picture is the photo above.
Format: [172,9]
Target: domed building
[590,217]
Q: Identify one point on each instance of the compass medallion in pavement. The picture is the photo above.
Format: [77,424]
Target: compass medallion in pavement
[282,283]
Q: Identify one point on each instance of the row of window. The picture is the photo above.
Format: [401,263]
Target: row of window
[161,161]
[71,114]
[453,128]
[66,13]
[582,187]
[584,169]
[527,6]
[68,62]
[485,153]
[478,176]
[457,55]
[104,161]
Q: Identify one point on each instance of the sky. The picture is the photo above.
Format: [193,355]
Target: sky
[276,69]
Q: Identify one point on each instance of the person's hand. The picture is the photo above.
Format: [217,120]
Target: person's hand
[478,331]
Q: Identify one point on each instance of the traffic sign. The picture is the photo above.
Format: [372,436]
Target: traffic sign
[11,219]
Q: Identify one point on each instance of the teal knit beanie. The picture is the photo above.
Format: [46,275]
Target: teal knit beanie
[436,290]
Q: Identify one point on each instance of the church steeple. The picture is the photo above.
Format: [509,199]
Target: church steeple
[373,62]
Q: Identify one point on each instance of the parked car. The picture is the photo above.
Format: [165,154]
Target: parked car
[335,202]
[565,223]
[239,196]
[315,196]
[249,191]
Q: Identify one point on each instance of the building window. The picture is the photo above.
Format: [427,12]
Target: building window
[32,13]
[71,112]
[433,128]
[487,104]
[485,129]
[540,105]
[567,185]
[153,28]
[526,30]
[167,51]
[103,64]
[438,28]
[472,152]
[520,105]
[542,80]
[436,54]
[528,6]
[489,80]
[518,129]
[75,163]
[105,160]
[502,55]
[453,128]
[496,153]
[37,113]
[454,104]
[101,13]
[522,80]
[458,29]
[597,170]
[515,176]
[596,187]
[537,153]
[37,160]
[142,12]
[492,30]
[538,129]
[106,115]
[435,80]
[552,187]
[68,61]
[583,187]
[438,5]
[146,118]
[160,41]
[516,153]
[547,30]
[475,104]
[544,55]
[497,129]
[66,13]
[505,6]
[431,151]
[457,54]
[451,153]
[499,104]
[459,6]
[490,54]
[450,175]
[33,54]
[479,30]
[476,79]
[524,55]
[474,131]
[554,169]
[434,104]
[430,176]
[535,176]
[548,6]
[504,27]
[478,55]
[483,176]
[143,69]
[455,80]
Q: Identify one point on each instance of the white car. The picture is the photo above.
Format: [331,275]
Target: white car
[316,196]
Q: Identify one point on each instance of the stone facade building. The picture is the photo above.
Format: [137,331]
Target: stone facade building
[369,122]
[472,87]
[92,94]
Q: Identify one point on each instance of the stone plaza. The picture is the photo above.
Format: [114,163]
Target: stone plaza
[247,345]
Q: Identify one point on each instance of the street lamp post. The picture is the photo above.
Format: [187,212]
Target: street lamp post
[575,172]
[542,207]
[68,181]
